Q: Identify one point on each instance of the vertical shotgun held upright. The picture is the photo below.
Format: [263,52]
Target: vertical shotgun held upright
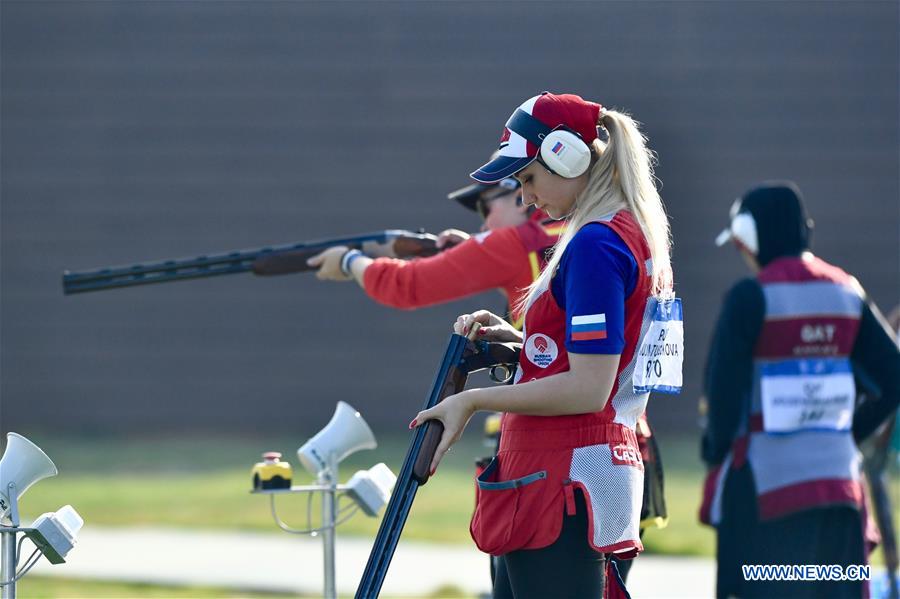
[463,357]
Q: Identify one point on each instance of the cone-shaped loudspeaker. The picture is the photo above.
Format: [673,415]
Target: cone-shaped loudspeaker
[24,464]
[346,433]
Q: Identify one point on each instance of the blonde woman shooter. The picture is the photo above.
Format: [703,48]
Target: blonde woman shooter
[564,492]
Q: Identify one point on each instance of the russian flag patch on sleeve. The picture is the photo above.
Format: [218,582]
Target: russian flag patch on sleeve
[589,327]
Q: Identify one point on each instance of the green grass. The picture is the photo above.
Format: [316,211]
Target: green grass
[684,475]
[204,483]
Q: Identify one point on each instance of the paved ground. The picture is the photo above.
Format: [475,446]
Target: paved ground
[282,562]
[293,564]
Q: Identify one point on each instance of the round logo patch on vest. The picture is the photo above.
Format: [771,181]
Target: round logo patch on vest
[541,350]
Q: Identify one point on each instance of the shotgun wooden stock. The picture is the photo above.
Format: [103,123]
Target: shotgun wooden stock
[462,357]
[405,245]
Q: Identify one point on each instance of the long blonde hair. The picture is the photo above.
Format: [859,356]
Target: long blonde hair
[621,177]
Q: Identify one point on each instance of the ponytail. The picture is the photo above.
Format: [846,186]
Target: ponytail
[634,164]
[621,177]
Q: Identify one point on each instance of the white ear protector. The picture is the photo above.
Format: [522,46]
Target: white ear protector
[561,150]
[564,153]
[742,229]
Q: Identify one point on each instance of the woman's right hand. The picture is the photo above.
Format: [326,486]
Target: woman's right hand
[493,328]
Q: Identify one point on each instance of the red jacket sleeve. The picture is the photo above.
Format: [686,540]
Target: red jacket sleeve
[482,262]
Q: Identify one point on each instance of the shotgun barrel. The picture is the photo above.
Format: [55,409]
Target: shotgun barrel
[461,358]
[266,261]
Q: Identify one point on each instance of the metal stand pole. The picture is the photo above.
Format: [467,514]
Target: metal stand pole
[8,545]
[329,518]
[9,564]
[326,485]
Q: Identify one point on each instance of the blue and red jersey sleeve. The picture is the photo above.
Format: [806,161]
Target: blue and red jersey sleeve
[597,272]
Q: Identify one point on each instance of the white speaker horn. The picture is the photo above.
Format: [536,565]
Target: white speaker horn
[23,464]
[344,434]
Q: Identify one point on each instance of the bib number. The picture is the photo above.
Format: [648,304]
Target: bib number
[805,395]
[661,352]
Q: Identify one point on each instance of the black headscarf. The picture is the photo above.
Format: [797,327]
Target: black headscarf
[783,227]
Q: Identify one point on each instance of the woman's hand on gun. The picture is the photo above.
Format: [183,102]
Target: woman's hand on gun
[450,237]
[329,263]
[454,412]
[493,328]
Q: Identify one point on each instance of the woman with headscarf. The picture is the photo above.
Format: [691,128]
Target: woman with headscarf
[781,440]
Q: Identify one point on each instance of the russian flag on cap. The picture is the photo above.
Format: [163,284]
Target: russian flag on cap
[589,327]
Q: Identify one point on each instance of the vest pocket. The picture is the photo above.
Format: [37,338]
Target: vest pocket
[499,524]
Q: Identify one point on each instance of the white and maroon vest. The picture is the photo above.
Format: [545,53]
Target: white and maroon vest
[812,313]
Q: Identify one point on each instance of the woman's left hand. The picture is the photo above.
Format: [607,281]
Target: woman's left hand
[450,237]
[454,412]
[329,263]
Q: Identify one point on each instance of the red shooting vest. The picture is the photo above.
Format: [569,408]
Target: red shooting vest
[538,235]
[522,495]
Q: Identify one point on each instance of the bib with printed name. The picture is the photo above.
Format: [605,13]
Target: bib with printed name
[661,353]
[807,394]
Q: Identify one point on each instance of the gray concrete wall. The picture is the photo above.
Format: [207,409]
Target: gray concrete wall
[143,130]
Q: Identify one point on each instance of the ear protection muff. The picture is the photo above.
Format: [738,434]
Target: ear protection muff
[560,150]
[743,229]
[564,153]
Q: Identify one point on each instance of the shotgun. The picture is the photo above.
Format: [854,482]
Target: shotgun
[266,261]
[876,455]
[462,357]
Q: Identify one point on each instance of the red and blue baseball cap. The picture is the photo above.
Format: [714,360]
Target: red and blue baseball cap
[521,140]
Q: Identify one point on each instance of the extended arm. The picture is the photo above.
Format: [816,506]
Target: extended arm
[477,264]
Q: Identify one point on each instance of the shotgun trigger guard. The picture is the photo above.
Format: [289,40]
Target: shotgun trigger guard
[496,357]
[507,371]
